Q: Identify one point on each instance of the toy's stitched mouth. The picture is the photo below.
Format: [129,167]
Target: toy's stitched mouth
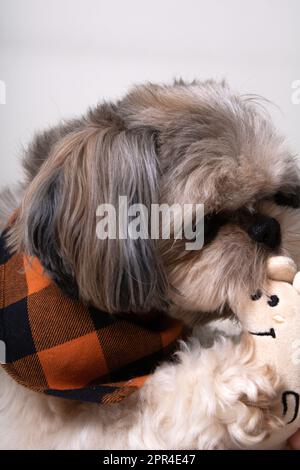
[271,332]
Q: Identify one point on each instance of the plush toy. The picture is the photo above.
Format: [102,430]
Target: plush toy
[272,317]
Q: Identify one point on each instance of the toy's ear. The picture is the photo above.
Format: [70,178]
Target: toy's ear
[296,282]
[281,268]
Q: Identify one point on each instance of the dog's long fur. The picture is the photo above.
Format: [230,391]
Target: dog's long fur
[181,143]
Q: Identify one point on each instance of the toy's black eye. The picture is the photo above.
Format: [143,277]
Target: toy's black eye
[274,300]
[257,295]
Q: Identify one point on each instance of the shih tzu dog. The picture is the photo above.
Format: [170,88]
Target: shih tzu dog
[184,143]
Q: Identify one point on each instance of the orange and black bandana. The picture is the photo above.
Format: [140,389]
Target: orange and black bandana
[58,346]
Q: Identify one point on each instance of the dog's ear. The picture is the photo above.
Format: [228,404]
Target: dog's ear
[91,166]
[37,226]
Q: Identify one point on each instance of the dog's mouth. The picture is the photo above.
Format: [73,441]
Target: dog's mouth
[271,333]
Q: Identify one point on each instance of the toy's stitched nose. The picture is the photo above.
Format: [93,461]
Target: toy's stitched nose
[266,230]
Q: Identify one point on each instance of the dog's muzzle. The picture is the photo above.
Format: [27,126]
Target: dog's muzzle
[259,227]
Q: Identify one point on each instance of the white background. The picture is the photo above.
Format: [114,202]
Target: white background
[58,57]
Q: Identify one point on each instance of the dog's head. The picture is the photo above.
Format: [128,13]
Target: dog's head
[184,143]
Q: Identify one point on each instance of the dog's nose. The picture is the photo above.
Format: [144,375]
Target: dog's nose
[266,230]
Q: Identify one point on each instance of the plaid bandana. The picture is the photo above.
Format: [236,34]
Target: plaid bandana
[58,346]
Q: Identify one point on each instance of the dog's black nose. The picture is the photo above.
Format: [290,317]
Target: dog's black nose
[266,230]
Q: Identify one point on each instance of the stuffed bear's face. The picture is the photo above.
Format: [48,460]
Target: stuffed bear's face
[272,317]
[271,311]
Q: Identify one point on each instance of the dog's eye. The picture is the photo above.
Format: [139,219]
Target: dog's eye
[212,224]
[288,199]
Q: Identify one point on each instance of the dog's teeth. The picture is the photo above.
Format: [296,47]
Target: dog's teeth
[279,319]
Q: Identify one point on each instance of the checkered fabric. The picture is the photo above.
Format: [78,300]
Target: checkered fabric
[58,346]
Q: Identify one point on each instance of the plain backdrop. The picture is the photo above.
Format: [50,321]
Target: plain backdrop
[58,57]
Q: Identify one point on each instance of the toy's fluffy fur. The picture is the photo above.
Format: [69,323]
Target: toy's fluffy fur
[181,143]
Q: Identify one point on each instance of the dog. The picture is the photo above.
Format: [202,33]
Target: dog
[182,143]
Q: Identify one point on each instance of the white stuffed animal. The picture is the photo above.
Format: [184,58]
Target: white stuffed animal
[272,317]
